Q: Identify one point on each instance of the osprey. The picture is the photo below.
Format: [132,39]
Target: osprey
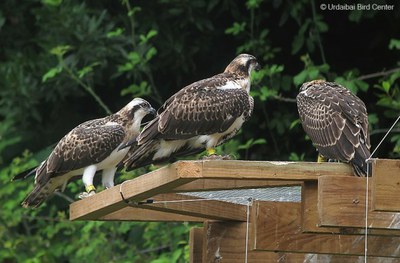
[92,146]
[200,116]
[336,121]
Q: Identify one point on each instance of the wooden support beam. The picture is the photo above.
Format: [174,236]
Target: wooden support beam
[226,242]
[224,184]
[310,218]
[198,207]
[196,245]
[277,227]
[139,214]
[341,203]
[137,189]
[311,222]
[386,185]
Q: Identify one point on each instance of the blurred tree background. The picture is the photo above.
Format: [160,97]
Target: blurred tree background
[66,61]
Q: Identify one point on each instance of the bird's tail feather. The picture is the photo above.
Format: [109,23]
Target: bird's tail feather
[149,132]
[359,163]
[38,195]
[361,171]
[144,155]
[141,156]
[25,174]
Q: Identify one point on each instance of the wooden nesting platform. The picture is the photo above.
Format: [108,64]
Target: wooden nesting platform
[328,225]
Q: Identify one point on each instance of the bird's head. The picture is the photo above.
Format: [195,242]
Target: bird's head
[243,64]
[138,108]
[310,84]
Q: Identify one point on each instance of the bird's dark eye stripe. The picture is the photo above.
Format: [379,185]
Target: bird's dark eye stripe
[140,106]
[249,62]
[136,107]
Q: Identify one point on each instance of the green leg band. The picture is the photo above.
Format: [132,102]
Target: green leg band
[321,159]
[210,151]
[90,188]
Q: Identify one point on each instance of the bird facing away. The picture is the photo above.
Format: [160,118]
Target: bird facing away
[200,116]
[337,123]
[91,146]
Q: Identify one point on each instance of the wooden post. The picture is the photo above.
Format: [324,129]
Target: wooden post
[341,202]
[278,228]
[386,185]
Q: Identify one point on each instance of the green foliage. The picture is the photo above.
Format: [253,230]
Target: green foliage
[394,44]
[64,62]
[310,71]
[236,28]
[46,234]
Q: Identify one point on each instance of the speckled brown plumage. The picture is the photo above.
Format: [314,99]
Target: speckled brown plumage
[92,143]
[212,106]
[200,108]
[336,121]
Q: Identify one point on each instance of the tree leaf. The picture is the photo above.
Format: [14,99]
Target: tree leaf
[52,2]
[117,32]
[60,50]
[51,73]
[386,86]
[394,44]
[300,78]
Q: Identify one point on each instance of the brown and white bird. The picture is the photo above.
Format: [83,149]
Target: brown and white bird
[95,145]
[200,116]
[336,121]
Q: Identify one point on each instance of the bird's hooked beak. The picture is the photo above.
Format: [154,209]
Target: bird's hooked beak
[257,67]
[152,111]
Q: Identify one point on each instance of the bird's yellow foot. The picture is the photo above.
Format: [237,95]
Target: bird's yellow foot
[211,151]
[90,190]
[321,159]
[211,155]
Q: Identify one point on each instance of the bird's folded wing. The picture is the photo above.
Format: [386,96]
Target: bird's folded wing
[330,123]
[198,110]
[81,147]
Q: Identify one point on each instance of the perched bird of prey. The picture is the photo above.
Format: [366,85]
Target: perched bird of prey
[92,146]
[200,116]
[336,121]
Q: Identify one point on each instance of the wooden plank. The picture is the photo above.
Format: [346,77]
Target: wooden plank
[137,189]
[342,204]
[198,207]
[169,177]
[321,258]
[310,218]
[139,214]
[311,221]
[224,184]
[226,241]
[272,170]
[196,245]
[277,227]
[386,185]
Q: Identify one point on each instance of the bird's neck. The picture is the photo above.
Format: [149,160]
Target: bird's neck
[237,74]
[243,79]
[118,118]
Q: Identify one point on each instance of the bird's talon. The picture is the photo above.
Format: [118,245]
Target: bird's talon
[228,157]
[217,157]
[84,195]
